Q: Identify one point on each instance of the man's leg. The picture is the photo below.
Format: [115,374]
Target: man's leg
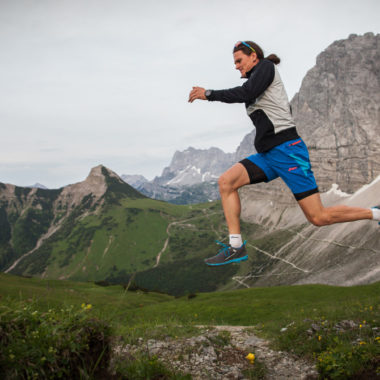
[229,183]
[319,215]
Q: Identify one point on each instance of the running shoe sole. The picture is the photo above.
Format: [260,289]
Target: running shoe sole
[244,258]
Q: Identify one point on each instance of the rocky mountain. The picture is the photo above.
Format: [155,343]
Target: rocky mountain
[101,229]
[136,181]
[29,217]
[192,174]
[194,166]
[38,186]
[337,111]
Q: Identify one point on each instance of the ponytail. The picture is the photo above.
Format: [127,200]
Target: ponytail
[273,57]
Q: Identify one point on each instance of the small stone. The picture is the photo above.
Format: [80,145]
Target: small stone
[315,327]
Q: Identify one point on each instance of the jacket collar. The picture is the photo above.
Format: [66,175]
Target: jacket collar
[250,72]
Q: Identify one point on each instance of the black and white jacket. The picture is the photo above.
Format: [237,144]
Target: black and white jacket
[267,105]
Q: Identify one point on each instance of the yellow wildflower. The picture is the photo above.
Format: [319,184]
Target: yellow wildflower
[88,307]
[361,343]
[319,338]
[251,357]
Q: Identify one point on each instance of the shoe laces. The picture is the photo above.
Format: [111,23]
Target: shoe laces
[225,248]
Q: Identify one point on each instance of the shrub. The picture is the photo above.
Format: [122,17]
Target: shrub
[68,343]
[348,362]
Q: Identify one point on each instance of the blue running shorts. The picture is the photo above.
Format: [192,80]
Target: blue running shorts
[289,161]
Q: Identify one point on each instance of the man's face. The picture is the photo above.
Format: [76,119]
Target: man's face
[244,63]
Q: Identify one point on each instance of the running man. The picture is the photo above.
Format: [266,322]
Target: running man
[280,150]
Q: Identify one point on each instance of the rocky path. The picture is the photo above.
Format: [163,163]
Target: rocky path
[280,365]
[220,353]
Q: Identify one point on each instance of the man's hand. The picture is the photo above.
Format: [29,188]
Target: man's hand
[197,93]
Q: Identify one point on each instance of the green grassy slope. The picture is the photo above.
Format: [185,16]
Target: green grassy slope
[124,239]
[23,221]
[267,308]
[127,234]
[305,320]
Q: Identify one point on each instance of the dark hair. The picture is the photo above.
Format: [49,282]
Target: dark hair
[259,52]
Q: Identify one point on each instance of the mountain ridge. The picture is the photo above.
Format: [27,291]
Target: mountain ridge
[101,229]
[118,235]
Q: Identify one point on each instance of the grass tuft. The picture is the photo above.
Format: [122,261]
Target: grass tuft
[65,343]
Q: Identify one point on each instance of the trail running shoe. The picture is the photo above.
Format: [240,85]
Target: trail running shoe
[228,255]
[378,207]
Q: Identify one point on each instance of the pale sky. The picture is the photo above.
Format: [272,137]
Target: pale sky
[89,82]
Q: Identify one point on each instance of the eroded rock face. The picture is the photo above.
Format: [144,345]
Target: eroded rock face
[337,112]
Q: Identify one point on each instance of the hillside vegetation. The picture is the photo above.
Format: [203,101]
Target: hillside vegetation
[103,230]
[329,325]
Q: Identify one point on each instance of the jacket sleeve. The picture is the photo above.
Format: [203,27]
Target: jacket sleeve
[257,83]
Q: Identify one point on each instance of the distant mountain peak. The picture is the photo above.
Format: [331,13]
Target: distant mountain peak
[102,176]
[38,185]
[101,171]
[134,180]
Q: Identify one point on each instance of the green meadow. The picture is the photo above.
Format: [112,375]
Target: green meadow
[335,327]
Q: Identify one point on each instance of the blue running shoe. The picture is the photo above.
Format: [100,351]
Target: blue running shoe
[228,255]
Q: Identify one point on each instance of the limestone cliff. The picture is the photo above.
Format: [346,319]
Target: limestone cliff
[337,112]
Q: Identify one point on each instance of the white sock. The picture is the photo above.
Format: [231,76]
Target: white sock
[375,213]
[235,240]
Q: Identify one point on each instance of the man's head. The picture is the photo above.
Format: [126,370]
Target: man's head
[247,54]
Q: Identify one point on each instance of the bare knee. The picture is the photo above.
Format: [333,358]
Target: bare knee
[321,219]
[225,184]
